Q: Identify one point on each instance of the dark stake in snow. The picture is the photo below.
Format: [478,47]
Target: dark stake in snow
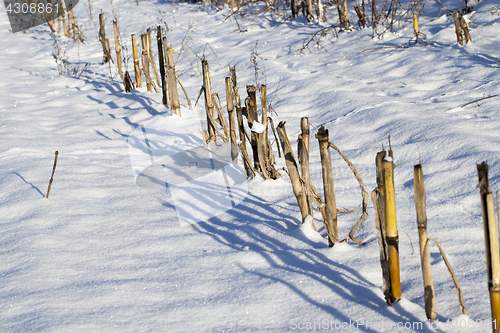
[161,63]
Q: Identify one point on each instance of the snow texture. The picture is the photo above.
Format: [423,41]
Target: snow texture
[105,254]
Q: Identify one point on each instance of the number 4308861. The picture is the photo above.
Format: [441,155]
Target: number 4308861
[32,8]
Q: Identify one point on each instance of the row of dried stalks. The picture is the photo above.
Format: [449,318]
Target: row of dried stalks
[158,75]
[261,159]
[262,153]
[62,22]
[385,220]
[373,13]
[305,191]
[263,162]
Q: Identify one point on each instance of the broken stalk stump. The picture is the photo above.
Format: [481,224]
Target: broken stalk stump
[231,117]
[361,17]
[491,243]
[175,105]
[458,28]
[52,177]
[465,29]
[63,14]
[102,38]
[71,22]
[379,203]
[263,156]
[303,152]
[118,49]
[330,216]
[145,62]
[263,92]
[208,100]
[293,171]
[304,171]
[251,107]
[430,298]
[151,55]
[127,82]
[137,68]
[59,16]
[391,225]
[239,117]
[161,63]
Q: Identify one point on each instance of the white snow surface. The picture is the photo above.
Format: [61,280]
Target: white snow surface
[105,255]
[258,127]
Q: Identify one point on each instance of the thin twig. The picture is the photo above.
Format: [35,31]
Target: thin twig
[348,210]
[445,9]
[185,93]
[364,194]
[411,243]
[321,33]
[463,309]
[479,100]
[239,7]
[275,137]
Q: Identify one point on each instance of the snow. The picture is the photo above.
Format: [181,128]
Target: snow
[258,127]
[308,230]
[104,254]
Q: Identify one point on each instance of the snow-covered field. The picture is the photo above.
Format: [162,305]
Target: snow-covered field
[104,255]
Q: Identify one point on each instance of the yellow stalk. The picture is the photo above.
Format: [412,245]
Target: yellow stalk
[392,228]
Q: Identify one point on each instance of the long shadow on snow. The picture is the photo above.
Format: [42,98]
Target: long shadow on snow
[481,58]
[116,90]
[344,281]
[31,184]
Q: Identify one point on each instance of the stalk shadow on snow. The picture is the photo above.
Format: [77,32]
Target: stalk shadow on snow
[126,119]
[33,186]
[175,169]
[483,59]
[103,135]
[345,282]
[145,102]
[116,89]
